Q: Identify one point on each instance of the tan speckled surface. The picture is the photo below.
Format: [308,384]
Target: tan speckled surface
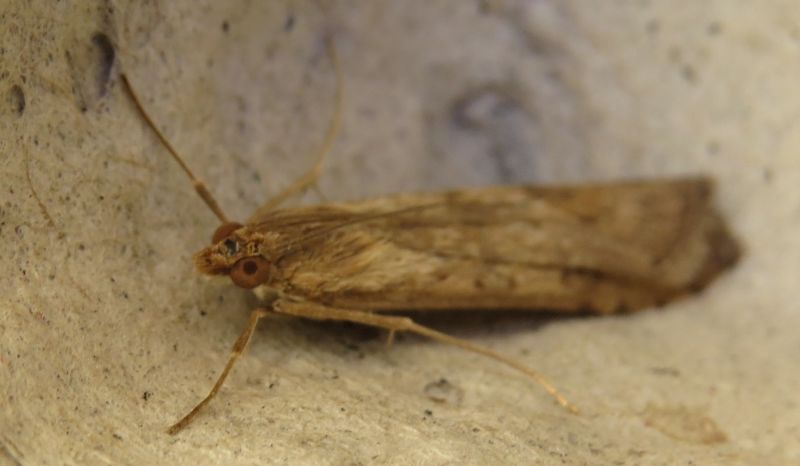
[107,335]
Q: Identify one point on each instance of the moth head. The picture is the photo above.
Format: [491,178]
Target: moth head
[224,230]
[233,253]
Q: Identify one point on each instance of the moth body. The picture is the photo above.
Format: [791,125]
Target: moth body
[602,248]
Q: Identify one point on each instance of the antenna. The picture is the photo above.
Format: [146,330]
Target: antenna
[199,186]
[309,178]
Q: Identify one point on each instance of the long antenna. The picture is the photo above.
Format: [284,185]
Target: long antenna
[199,186]
[309,178]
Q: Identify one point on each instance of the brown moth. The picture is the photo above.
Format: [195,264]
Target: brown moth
[601,248]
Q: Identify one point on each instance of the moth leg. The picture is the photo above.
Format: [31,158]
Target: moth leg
[309,178]
[236,352]
[390,338]
[405,324]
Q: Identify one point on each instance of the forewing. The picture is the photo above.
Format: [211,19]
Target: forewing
[599,247]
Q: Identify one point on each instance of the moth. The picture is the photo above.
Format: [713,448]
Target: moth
[601,248]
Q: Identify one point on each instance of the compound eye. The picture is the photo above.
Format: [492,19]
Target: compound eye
[224,230]
[249,272]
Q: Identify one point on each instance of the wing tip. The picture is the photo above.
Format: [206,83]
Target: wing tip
[724,252]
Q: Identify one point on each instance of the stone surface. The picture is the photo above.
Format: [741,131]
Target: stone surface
[108,335]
